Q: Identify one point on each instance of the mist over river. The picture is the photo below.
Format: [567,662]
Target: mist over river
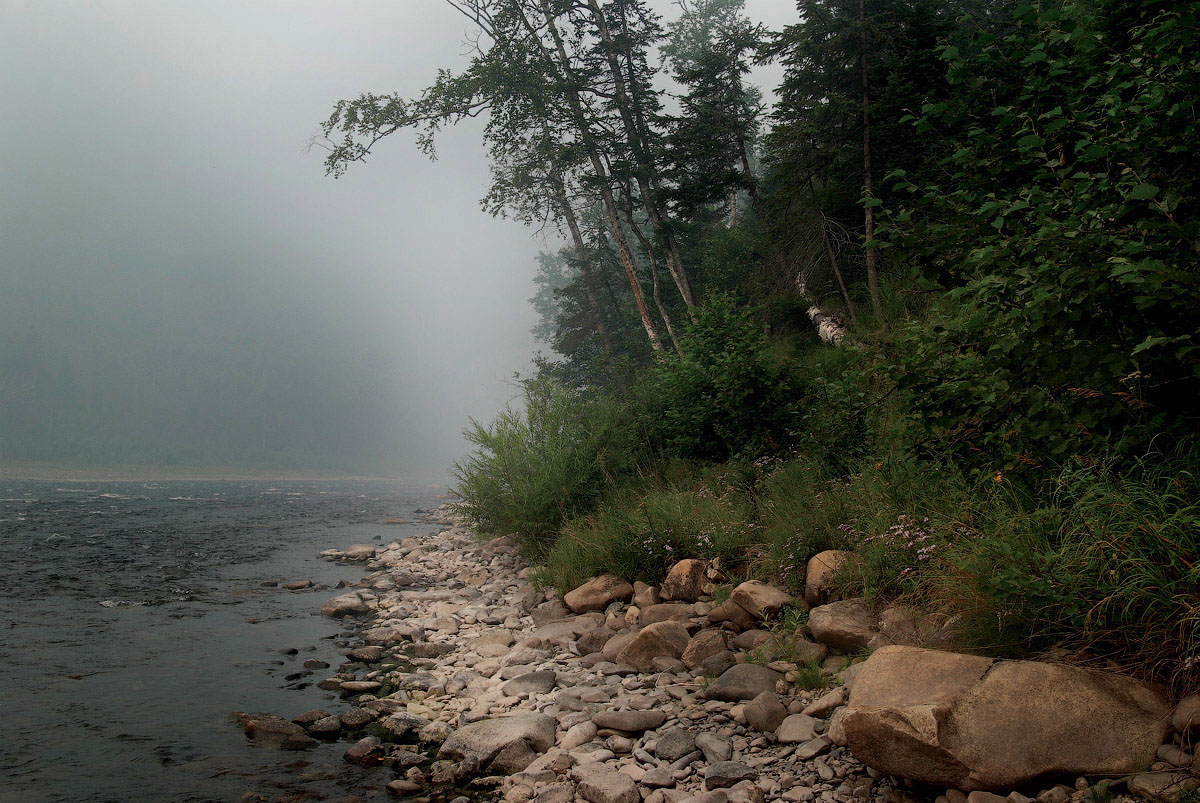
[134,619]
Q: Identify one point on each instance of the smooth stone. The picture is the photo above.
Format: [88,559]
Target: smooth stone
[742,682]
[724,774]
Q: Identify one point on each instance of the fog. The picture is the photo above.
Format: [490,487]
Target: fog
[181,285]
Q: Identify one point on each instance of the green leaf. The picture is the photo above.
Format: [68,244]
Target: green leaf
[1142,192]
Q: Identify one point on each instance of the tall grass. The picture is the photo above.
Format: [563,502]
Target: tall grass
[537,466]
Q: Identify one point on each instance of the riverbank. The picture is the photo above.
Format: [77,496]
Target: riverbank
[467,682]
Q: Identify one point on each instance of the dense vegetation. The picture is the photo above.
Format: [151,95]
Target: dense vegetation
[938,305]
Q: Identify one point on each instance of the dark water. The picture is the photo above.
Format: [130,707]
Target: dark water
[132,621]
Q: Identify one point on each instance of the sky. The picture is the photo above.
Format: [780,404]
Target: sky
[180,283]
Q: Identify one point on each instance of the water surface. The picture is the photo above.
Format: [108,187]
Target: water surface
[133,619]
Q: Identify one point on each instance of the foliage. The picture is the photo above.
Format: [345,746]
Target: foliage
[534,468]
[1061,220]
[726,393]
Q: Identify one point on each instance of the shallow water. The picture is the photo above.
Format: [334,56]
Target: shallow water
[132,621]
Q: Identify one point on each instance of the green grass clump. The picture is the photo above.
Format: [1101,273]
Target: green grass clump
[638,535]
[536,467]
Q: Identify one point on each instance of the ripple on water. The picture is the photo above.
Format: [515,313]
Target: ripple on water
[127,634]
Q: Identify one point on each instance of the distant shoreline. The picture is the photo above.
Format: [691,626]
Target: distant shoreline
[30,471]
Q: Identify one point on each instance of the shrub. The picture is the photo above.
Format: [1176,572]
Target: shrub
[727,394]
[640,533]
[534,468]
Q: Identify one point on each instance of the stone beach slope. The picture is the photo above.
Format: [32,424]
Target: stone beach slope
[469,683]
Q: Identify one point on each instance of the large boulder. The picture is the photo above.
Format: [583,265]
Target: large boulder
[685,581]
[846,625]
[743,682]
[598,593]
[481,742]
[759,599]
[660,640]
[967,722]
[823,569]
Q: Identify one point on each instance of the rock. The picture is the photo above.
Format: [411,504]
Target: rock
[594,640]
[598,593]
[513,758]
[823,569]
[578,735]
[598,784]
[666,611]
[357,718]
[985,797]
[764,713]
[835,732]
[703,646]
[269,728]
[796,728]
[716,665]
[759,599]
[685,581]
[645,595]
[742,682]
[480,742]
[532,683]
[826,704]
[315,663]
[1162,787]
[724,774]
[1173,755]
[402,787]
[366,655]
[846,625]
[365,752]
[715,748]
[556,793]
[327,726]
[630,721]
[1186,717]
[968,722]
[359,552]
[730,611]
[662,639]
[614,645]
[674,744]
[804,651]
[309,717]
[298,741]
[1055,794]
[658,778]
[361,686]
[350,604]
[812,748]
[298,585]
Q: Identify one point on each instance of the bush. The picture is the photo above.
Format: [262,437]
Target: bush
[1109,565]
[727,394]
[640,533]
[533,469]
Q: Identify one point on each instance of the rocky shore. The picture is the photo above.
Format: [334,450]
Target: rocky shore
[465,682]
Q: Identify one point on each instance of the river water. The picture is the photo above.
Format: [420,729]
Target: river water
[133,620]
